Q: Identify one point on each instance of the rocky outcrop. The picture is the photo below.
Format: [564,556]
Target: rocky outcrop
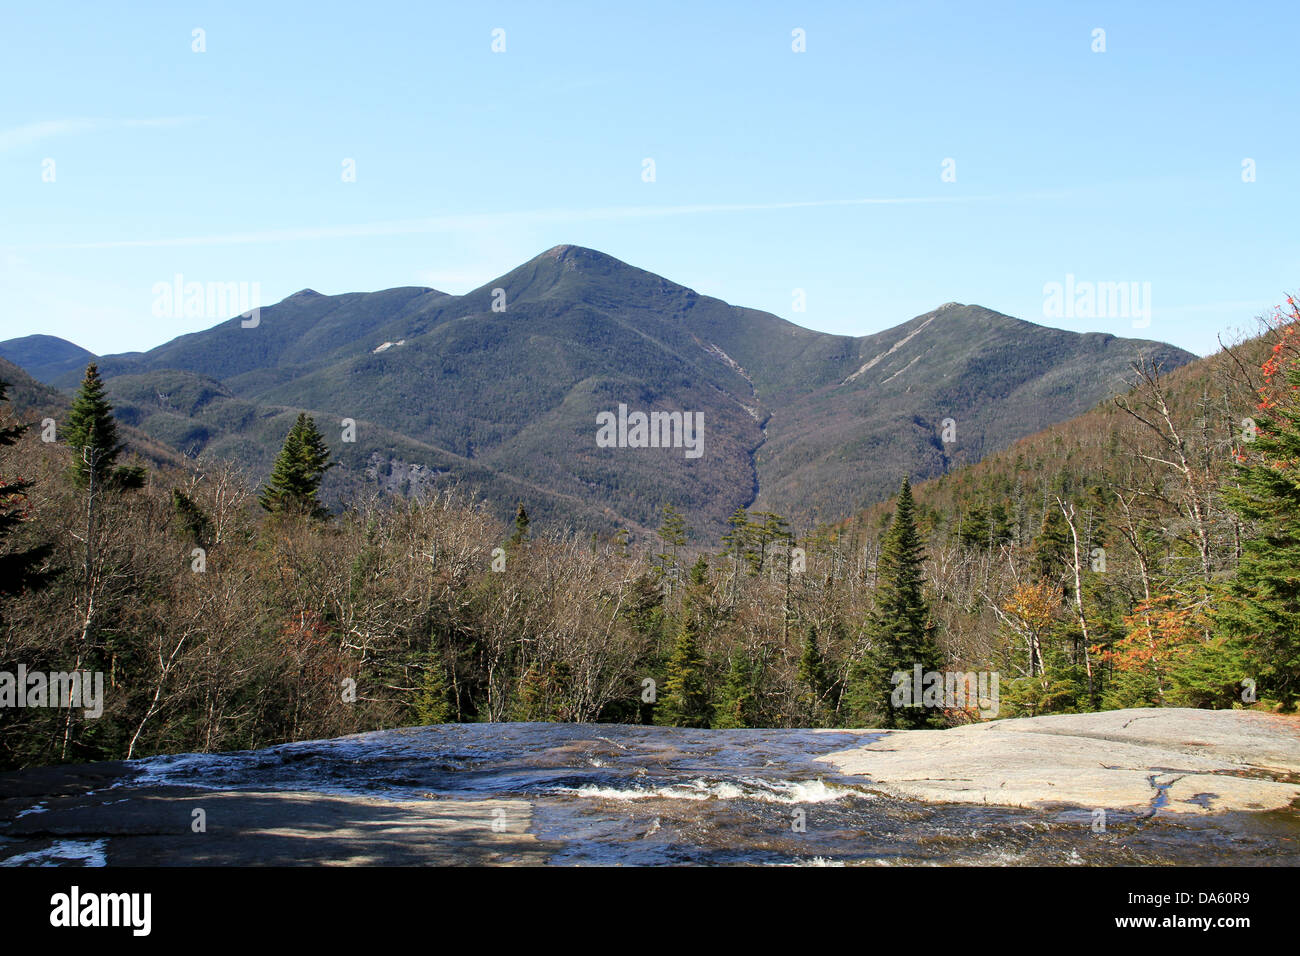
[1175,760]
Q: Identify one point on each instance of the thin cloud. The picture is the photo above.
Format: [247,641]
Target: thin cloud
[455,224]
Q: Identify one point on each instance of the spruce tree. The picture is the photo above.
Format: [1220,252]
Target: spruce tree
[194,521]
[521,527]
[685,700]
[899,630]
[974,529]
[699,574]
[672,532]
[91,432]
[738,541]
[295,480]
[1051,547]
[432,705]
[1261,606]
[812,675]
[737,704]
[21,568]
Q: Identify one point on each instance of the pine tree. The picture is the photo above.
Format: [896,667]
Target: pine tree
[899,630]
[521,528]
[295,480]
[22,568]
[1261,606]
[738,541]
[91,432]
[431,703]
[737,704]
[194,521]
[812,674]
[685,700]
[1051,546]
[672,532]
[1000,526]
[699,573]
[974,530]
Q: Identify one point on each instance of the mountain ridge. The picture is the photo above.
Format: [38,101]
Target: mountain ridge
[510,376]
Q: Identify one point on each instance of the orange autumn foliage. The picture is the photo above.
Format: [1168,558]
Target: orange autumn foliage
[1161,632]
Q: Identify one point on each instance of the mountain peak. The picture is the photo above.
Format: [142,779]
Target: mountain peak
[45,357]
[569,270]
[573,256]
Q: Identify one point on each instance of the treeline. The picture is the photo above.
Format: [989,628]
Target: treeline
[1145,556]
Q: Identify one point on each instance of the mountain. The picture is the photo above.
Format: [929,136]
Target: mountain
[24,392]
[1208,400]
[992,378]
[500,389]
[29,402]
[46,358]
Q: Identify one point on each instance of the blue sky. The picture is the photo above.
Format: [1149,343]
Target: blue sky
[774,170]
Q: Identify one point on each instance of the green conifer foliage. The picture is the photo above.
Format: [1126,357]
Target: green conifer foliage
[194,522]
[91,432]
[19,568]
[295,479]
[738,700]
[1051,547]
[813,676]
[899,629]
[521,527]
[432,705]
[685,699]
[699,575]
[1261,606]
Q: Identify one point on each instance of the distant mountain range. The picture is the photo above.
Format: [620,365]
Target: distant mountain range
[500,389]
[46,358]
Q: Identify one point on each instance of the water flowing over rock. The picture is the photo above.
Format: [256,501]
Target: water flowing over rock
[1121,787]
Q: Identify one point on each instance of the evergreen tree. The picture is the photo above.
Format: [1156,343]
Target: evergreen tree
[1051,547]
[770,530]
[812,675]
[295,480]
[672,532]
[431,703]
[521,528]
[737,704]
[21,568]
[1001,529]
[699,574]
[738,541]
[974,529]
[899,630]
[91,432]
[1261,606]
[194,521]
[685,700]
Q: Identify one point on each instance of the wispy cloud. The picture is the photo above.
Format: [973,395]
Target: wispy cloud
[30,133]
[461,223]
